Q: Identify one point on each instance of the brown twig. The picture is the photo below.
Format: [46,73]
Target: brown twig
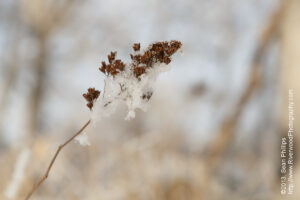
[54,158]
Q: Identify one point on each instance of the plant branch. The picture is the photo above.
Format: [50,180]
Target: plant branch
[54,158]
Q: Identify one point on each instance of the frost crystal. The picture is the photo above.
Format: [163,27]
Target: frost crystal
[83,139]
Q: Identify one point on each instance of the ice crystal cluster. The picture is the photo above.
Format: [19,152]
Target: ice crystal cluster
[130,83]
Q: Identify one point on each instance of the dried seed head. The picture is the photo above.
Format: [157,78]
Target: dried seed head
[157,52]
[113,67]
[147,96]
[91,96]
[138,71]
[136,46]
[111,57]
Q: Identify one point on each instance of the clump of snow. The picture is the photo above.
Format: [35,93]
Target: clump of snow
[83,139]
[126,88]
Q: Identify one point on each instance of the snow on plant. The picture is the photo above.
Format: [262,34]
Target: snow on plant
[130,83]
[83,139]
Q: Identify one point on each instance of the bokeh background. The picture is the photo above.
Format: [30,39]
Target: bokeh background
[214,125]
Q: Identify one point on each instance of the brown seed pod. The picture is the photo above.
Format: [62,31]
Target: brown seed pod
[91,96]
[156,52]
[136,46]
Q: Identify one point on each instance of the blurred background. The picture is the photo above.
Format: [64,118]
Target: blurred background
[214,125]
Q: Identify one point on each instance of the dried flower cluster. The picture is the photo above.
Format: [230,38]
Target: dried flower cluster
[91,96]
[158,52]
[132,83]
[113,67]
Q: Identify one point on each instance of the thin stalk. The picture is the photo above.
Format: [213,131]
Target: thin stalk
[60,147]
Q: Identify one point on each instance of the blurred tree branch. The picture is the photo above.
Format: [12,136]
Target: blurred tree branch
[43,18]
[226,132]
[12,64]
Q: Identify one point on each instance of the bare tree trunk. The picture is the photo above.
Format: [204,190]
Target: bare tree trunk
[36,97]
[12,65]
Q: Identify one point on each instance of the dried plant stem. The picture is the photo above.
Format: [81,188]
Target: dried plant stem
[54,158]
